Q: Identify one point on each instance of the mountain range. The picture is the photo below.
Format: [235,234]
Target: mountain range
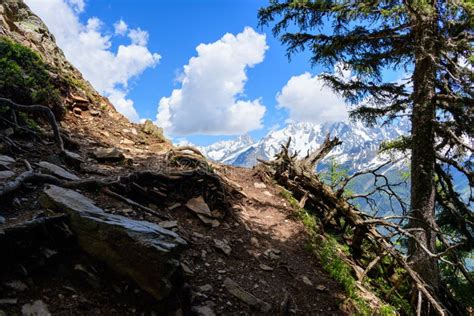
[359,148]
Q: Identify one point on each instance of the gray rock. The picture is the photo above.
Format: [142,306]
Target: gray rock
[203,310]
[264,267]
[37,308]
[246,297]
[222,246]
[143,251]
[2,219]
[112,154]
[205,288]
[5,175]
[6,161]
[306,280]
[168,224]
[57,171]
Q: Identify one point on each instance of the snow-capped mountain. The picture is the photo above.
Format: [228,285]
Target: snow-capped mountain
[359,147]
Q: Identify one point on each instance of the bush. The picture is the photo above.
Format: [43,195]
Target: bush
[25,78]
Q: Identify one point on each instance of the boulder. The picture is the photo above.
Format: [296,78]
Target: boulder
[143,251]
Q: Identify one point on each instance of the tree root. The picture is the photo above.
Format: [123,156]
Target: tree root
[299,178]
[38,109]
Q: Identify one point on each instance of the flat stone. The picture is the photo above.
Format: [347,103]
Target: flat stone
[5,175]
[168,224]
[205,288]
[222,246]
[143,251]
[321,288]
[198,205]
[246,297]
[112,154]
[306,280]
[58,171]
[6,160]
[208,221]
[264,267]
[259,185]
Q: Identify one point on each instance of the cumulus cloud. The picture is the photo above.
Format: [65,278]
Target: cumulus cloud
[120,27]
[307,99]
[88,48]
[210,99]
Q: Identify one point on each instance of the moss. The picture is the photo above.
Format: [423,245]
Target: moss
[328,250]
[24,77]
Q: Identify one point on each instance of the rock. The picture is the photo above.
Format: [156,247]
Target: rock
[208,221]
[202,211]
[264,267]
[259,185]
[8,301]
[205,288]
[203,310]
[246,297]
[94,113]
[126,141]
[254,242]
[6,161]
[321,288]
[222,246]
[2,220]
[58,171]
[5,175]
[147,253]
[198,205]
[17,285]
[72,157]
[168,224]
[306,280]
[273,254]
[151,129]
[37,308]
[186,269]
[111,154]
[267,193]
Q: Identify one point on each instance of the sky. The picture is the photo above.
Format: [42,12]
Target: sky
[203,70]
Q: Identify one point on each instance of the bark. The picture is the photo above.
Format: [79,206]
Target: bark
[423,154]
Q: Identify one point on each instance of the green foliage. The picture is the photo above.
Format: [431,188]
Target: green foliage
[328,251]
[24,77]
[403,144]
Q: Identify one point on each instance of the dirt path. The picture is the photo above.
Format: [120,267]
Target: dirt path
[267,259]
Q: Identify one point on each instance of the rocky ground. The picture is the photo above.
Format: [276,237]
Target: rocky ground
[247,257]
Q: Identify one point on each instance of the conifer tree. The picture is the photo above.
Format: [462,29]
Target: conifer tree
[429,41]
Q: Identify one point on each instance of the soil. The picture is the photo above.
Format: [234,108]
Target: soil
[268,256]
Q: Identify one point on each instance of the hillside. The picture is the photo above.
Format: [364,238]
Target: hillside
[101,216]
[218,241]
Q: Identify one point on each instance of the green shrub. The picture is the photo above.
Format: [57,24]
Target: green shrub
[24,77]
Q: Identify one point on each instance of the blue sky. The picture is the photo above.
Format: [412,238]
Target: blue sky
[175,28]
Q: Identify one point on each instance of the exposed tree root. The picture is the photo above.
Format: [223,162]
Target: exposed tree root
[37,109]
[299,178]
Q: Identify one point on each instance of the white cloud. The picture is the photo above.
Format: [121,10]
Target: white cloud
[138,37]
[77,5]
[120,27]
[212,83]
[89,49]
[308,100]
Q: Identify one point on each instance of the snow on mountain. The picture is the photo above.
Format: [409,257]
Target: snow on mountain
[359,147]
